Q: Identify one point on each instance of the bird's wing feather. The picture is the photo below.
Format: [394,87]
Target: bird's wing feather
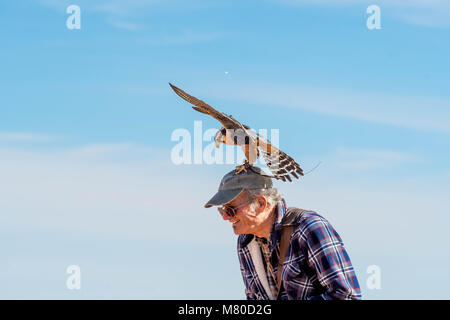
[279,163]
[201,106]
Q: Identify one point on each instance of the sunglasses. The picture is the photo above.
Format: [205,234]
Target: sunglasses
[230,211]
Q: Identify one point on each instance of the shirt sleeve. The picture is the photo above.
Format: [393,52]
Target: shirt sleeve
[328,257]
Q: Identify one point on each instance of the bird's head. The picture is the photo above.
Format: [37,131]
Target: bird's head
[219,138]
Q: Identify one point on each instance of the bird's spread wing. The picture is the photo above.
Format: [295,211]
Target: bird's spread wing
[227,121]
[279,163]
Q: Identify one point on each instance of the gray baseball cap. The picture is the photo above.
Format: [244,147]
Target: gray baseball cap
[233,184]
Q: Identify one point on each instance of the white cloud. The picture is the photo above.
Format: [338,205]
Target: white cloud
[123,14]
[114,189]
[25,137]
[372,159]
[415,112]
[435,13]
[113,7]
[431,13]
[183,37]
[435,4]
[125,25]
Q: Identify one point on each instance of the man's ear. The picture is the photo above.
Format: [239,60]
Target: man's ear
[262,203]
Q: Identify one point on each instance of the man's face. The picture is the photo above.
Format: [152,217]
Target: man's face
[247,219]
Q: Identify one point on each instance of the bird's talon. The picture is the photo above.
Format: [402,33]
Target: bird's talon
[239,169]
[243,167]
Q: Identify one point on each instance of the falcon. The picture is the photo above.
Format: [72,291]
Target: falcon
[233,132]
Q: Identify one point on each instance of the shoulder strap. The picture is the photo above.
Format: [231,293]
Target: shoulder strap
[288,223]
[291,216]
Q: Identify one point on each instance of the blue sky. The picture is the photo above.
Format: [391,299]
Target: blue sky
[86,118]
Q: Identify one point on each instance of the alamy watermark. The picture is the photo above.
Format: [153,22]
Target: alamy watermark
[74,20]
[73,282]
[201,147]
[373,282]
[374,20]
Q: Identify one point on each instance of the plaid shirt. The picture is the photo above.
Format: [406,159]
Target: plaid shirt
[316,265]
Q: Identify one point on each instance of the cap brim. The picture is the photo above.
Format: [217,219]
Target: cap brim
[222,197]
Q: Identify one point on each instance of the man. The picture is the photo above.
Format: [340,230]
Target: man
[315,264]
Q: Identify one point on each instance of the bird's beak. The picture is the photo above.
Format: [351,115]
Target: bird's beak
[218,139]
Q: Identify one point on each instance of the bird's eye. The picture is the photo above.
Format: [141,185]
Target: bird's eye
[223,131]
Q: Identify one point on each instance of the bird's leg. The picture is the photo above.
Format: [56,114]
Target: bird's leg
[243,167]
